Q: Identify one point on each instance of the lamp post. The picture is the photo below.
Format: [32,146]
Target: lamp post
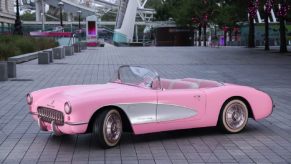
[79,12]
[17,25]
[267,14]
[61,5]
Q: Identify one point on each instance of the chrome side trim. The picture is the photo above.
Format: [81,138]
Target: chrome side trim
[76,123]
[33,113]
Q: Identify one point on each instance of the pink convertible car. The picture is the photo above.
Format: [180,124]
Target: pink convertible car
[139,101]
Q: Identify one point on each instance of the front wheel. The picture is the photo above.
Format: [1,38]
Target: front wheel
[107,128]
[234,116]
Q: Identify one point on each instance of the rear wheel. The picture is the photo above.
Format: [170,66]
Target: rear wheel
[234,116]
[107,128]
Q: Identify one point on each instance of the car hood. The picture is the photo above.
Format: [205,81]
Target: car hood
[81,91]
[86,90]
[77,92]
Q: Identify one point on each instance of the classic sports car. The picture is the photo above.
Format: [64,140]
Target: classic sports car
[139,101]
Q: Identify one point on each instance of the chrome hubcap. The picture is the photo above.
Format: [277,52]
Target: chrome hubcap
[235,115]
[113,128]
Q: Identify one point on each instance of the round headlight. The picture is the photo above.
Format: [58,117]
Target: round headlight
[29,99]
[68,108]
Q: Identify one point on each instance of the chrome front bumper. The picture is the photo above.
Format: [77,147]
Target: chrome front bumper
[54,128]
[67,123]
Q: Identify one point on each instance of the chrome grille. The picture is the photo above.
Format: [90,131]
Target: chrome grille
[49,115]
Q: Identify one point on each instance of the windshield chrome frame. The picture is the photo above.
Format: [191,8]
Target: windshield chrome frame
[155,72]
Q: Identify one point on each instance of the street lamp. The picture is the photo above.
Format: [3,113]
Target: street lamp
[17,25]
[79,12]
[267,13]
[61,5]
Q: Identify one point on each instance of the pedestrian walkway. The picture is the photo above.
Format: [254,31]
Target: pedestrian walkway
[266,141]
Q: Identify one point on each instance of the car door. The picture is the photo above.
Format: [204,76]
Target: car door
[180,105]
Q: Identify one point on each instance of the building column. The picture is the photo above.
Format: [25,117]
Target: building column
[38,10]
[70,17]
[2,27]
[1,5]
[8,28]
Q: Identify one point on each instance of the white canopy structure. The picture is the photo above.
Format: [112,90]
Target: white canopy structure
[126,10]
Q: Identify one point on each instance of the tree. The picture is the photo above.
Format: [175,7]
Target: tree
[163,9]
[194,14]
[252,10]
[28,17]
[268,8]
[282,13]
[227,16]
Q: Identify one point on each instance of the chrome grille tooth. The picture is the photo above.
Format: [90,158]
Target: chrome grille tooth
[49,115]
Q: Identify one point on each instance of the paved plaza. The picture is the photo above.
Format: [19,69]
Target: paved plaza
[266,141]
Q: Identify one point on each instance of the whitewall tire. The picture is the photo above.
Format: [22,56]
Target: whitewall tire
[234,116]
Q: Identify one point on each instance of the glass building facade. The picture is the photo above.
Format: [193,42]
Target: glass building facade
[7,15]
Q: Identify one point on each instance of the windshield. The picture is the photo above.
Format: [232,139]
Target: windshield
[137,76]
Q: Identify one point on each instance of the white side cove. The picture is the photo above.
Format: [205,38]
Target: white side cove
[167,112]
[141,113]
[125,22]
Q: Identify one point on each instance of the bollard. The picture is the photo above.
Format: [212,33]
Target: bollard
[43,58]
[68,50]
[58,53]
[11,66]
[77,48]
[3,71]
[50,52]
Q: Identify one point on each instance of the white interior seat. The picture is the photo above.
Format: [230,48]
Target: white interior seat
[177,84]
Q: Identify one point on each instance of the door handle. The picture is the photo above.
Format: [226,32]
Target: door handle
[196,96]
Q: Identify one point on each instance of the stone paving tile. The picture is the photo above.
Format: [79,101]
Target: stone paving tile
[265,141]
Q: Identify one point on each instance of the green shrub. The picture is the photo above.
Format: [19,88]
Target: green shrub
[25,45]
[45,43]
[8,50]
[17,45]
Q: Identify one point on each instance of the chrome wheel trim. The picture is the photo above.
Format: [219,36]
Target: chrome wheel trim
[112,128]
[235,116]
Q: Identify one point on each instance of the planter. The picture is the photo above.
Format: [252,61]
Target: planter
[63,53]
[83,45]
[11,66]
[77,48]
[68,50]
[43,58]
[3,71]
[58,53]
[51,57]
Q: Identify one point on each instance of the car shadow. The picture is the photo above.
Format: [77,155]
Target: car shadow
[87,141]
[181,134]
